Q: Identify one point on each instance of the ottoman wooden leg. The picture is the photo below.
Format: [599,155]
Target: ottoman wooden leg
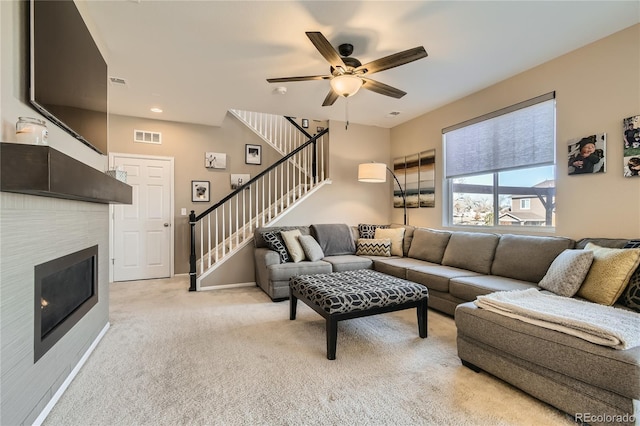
[293,304]
[332,337]
[422,318]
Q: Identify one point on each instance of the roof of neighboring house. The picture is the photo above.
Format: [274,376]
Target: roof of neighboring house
[522,217]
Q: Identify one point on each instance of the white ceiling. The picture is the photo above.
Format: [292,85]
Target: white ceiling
[198,59]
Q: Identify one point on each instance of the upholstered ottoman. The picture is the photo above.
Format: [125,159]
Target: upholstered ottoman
[352,294]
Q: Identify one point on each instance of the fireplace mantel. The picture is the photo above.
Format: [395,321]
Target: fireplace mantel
[41,170]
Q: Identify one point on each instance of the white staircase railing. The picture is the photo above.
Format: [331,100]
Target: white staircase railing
[276,130]
[228,226]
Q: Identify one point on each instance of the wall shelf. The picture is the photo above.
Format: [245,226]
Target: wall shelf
[41,170]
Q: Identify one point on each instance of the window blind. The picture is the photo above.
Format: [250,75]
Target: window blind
[519,136]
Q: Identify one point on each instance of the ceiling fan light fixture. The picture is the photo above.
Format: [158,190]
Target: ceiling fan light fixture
[346,84]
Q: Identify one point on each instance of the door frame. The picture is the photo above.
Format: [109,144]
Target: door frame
[112,217]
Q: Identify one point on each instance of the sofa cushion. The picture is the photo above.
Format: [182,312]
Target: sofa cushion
[293,245]
[609,274]
[312,249]
[396,266]
[567,272]
[436,276]
[334,239]
[284,271]
[470,250]
[470,287]
[396,235]
[525,257]
[276,243]
[348,262]
[366,230]
[408,236]
[429,244]
[373,247]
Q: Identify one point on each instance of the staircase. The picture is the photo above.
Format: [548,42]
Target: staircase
[228,226]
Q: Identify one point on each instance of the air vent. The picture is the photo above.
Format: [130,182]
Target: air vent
[118,80]
[393,114]
[145,136]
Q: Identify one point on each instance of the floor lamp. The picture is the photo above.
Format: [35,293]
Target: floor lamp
[377,173]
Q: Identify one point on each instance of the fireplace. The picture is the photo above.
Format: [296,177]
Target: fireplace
[66,289]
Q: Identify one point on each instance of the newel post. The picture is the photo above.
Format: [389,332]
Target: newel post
[314,162]
[192,256]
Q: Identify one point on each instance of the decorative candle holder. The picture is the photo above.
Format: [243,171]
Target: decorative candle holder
[32,131]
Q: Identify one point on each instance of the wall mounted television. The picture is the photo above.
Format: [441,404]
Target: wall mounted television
[68,75]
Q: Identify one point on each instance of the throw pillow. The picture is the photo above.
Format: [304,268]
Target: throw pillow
[312,249]
[631,296]
[374,247]
[567,272]
[609,274]
[293,245]
[395,235]
[368,231]
[274,242]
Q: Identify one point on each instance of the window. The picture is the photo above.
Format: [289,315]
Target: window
[500,168]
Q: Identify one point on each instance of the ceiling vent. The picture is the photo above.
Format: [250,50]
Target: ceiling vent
[145,136]
[117,80]
[393,114]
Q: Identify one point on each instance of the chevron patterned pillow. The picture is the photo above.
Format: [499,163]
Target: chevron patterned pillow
[374,247]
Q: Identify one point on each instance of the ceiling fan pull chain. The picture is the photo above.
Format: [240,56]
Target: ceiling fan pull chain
[346,113]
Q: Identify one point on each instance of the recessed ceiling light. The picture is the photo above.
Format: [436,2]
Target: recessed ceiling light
[156,109]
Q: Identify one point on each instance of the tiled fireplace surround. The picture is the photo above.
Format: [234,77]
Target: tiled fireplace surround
[34,230]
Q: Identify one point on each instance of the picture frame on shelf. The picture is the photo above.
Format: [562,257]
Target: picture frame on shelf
[253,154]
[215,160]
[200,191]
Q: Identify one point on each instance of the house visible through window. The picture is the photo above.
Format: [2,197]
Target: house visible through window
[500,168]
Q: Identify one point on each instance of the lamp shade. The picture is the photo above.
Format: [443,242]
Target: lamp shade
[346,84]
[372,172]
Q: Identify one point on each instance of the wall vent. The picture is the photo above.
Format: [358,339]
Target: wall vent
[145,136]
[118,80]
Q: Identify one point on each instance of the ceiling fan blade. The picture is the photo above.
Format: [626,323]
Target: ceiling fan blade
[330,99]
[394,60]
[383,89]
[326,49]
[304,78]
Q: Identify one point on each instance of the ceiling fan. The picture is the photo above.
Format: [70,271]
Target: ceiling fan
[348,74]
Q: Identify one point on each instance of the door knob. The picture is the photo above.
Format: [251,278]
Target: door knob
[166,225]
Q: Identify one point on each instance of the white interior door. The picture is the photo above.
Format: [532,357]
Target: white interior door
[142,231]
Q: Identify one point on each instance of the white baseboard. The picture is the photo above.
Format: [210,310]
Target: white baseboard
[56,397]
[221,287]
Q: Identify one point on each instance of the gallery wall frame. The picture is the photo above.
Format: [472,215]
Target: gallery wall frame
[200,191]
[417,174]
[253,154]
[587,154]
[237,180]
[215,160]
[631,146]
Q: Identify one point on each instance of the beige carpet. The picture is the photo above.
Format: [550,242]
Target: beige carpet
[233,357]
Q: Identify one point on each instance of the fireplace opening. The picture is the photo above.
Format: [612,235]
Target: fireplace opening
[66,289]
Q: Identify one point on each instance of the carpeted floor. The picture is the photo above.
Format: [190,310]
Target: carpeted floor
[233,357]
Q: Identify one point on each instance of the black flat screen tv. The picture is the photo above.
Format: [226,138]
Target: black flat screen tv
[68,75]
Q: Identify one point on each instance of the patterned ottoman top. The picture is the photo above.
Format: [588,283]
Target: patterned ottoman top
[341,292]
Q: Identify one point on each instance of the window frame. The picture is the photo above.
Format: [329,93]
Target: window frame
[448,182]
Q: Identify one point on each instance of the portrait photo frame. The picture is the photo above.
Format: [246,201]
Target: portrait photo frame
[253,154]
[592,160]
[200,191]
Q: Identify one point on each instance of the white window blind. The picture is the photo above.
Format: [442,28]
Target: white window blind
[519,136]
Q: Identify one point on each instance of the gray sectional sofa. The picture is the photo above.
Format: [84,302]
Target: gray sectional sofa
[595,384]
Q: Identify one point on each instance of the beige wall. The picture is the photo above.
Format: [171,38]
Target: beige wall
[596,87]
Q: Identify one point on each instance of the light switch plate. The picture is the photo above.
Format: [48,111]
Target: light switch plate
[183,211]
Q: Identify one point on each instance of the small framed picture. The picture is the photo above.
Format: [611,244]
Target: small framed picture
[305,123]
[215,160]
[237,180]
[253,154]
[200,191]
[588,154]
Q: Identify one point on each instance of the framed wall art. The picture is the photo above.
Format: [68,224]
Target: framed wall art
[587,154]
[253,154]
[215,160]
[631,150]
[200,191]
[237,180]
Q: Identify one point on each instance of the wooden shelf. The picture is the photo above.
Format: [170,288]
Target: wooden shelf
[41,170]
